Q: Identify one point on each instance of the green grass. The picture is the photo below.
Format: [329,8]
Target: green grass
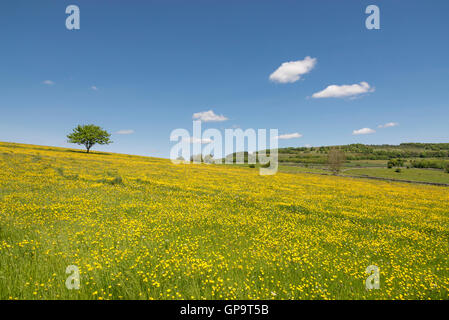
[301,169]
[366,163]
[372,169]
[141,228]
[413,174]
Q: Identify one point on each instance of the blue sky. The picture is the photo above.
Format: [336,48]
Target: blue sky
[156,63]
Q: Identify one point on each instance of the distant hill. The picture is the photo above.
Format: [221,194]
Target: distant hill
[366,152]
[318,155]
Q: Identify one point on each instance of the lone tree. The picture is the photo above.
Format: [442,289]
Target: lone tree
[335,159]
[89,135]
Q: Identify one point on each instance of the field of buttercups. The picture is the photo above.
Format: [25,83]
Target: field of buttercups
[144,228]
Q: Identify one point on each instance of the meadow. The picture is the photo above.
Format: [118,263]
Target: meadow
[408,174]
[144,228]
[411,174]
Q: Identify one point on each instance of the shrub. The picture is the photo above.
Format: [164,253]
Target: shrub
[252,165]
[395,163]
[116,180]
[267,165]
[428,164]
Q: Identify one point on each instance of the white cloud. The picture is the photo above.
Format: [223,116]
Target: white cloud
[208,116]
[94,88]
[336,91]
[125,131]
[197,140]
[363,131]
[293,70]
[308,145]
[289,136]
[48,82]
[388,125]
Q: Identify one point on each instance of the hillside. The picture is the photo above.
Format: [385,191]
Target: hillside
[418,162]
[366,152]
[144,228]
[358,152]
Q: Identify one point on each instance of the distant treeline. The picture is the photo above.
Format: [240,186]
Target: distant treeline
[429,164]
[404,151]
[367,152]
[425,164]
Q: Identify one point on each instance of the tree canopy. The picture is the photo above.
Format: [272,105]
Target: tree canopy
[89,135]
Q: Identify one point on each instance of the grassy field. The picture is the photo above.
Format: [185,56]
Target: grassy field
[302,169]
[412,174]
[144,228]
[375,170]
